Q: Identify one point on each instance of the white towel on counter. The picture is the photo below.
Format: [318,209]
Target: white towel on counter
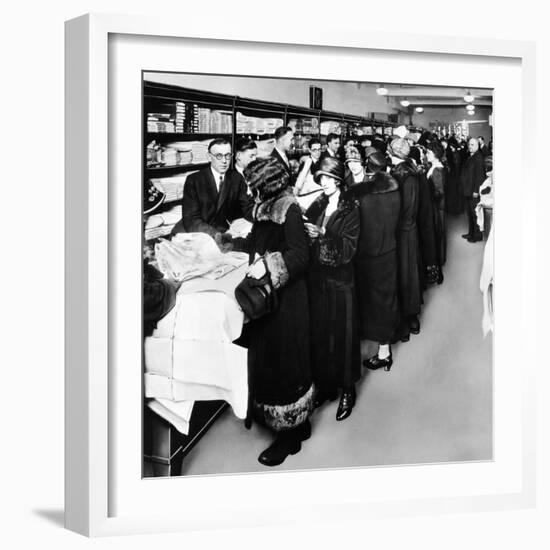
[190,355]
[178,413]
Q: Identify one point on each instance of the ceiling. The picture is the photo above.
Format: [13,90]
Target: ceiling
[439,96]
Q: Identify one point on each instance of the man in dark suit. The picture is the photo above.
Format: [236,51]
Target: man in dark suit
[283,141]
[333,145]
[483,149]
[212,197]
[246,151]
[471,177]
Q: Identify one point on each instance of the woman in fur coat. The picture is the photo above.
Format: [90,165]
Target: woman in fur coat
[333,227]
[278,344]
[376,258]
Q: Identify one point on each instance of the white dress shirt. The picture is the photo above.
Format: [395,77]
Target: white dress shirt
[218,178]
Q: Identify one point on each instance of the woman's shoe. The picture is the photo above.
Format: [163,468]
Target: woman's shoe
[414,324]
[347,401]
[374,363]
[286,443]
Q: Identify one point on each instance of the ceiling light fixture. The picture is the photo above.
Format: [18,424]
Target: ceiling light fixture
[419,109]
[405,102]
[470,107]
[471,112]
[469,97]
[382,90]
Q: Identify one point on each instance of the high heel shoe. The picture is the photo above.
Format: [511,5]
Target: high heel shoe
[374,363]
[347,402]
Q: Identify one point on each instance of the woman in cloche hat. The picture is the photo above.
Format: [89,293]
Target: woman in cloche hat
[333,227]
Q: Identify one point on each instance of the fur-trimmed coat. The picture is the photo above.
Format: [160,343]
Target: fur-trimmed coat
[376,264]
[335,350]
[407,239]
[279,343]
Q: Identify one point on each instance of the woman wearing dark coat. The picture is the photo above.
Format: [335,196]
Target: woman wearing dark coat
[428,258]
[454,202]
[436,177]
[407,239]
[376,258]
[279,343]
[334,230]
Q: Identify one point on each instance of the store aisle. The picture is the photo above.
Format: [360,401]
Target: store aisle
[435,405]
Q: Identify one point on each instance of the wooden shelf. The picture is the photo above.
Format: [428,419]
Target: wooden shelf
[157,171]
[175,136]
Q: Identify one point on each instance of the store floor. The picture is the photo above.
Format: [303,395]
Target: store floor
[435,405]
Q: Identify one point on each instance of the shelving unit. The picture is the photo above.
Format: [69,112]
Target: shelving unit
[193,118]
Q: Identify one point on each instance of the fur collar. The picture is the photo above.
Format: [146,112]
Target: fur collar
[404,170]
[274,209]
[377,183]
[346,203]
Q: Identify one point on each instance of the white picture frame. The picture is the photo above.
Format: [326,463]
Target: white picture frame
[92,219]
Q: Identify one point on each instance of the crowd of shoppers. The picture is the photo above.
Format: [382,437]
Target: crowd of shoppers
[350,239]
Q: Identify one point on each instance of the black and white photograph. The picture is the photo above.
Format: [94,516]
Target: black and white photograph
[317,274]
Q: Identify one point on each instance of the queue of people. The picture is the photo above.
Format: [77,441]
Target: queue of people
[349,239]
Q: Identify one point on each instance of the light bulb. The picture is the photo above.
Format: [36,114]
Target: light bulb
[419,109]
[470,107]
[405,102]
[471,112]
[469,97]
[381,90]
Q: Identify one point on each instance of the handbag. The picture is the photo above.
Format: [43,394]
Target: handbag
[257,297]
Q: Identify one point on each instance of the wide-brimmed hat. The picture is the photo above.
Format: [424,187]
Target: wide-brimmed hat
[399,148]
[353,154]
[330,167]
[153,197]
[369,150]
[377,161]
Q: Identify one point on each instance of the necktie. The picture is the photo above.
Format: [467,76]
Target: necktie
[220,184]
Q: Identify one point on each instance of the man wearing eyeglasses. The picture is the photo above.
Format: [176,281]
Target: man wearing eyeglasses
[305,186]
[212,198]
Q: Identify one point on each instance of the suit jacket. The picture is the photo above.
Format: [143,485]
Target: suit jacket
[207,211]
[473,174]
[276,155]
[326,154]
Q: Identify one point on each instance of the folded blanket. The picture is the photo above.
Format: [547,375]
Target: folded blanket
[190,355]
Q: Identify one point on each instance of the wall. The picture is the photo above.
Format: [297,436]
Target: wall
[450,115]
[343,97]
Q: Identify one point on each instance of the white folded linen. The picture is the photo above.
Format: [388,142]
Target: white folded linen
[190,355]
[177,413]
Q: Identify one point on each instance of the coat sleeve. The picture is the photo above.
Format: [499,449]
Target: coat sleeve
[478,174]
[409,198]
[438,182]
[191,212]
[290,263]
[338,248]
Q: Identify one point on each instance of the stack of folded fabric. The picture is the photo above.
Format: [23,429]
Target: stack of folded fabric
[199,150]
[160,225]
[191,356]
